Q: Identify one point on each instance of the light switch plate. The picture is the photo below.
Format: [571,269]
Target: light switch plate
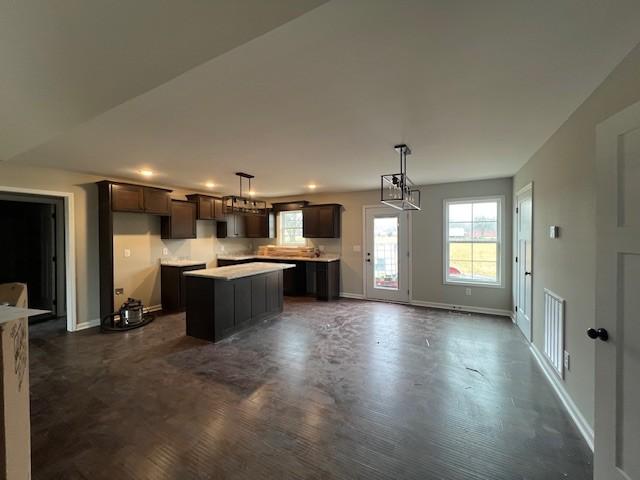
[165,251]
[467,292]
[127,252]
[554,231]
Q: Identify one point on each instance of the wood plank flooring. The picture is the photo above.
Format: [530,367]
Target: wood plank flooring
[340,390]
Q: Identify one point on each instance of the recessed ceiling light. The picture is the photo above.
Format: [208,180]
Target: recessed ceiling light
[145,173]
[311,186]
[209,184]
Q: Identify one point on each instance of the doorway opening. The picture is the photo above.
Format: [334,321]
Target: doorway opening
[386,254]
[33,251]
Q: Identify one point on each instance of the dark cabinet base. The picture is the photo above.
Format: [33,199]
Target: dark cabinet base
[219,308]
[327,277]
[173,286]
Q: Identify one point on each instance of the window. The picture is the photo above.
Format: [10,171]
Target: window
[472,241]
[291,228]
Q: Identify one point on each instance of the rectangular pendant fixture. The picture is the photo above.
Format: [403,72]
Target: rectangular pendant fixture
[396,189]
[239,205]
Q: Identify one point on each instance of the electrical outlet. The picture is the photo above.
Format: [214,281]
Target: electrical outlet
[119,291]
[222,248]
[127,252]
[321,248]
[467,292]
[165,251]
[566,359]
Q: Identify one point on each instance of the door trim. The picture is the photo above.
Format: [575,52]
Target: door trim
[528,188]
[363,259]
[70,247]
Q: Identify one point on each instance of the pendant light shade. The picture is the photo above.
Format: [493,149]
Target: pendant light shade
[396,189]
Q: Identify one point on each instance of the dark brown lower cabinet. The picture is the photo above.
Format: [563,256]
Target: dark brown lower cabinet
[327,280]
[217,308]
[327,277]
[173,286]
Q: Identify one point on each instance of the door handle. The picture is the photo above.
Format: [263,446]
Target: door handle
[600,333]
[368,260]
[527,273]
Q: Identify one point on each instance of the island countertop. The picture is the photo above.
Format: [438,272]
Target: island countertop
[232,272]
[322,258]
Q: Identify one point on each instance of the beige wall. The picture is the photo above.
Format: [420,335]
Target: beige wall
[563,176]
[86,222]
[427,241]
[138,274]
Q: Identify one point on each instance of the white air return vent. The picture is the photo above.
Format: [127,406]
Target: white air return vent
[554,330]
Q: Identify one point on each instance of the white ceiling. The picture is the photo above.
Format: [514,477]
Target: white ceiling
[63,62]
[475,88]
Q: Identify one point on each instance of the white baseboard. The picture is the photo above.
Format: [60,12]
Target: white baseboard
[558,387]
[462,308]
[357,296]
[89,324]
[96,321]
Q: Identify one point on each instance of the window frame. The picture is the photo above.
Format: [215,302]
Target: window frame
[281,230]
[500,251]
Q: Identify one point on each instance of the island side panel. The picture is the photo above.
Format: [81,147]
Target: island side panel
[259,295]
[274,292]
[242,300]
[224,309]
[217,308]
[200,308]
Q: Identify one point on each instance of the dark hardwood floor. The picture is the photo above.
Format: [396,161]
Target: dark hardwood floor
[346,389]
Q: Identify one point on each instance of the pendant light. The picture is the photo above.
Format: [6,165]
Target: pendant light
[396,189]
[240,205]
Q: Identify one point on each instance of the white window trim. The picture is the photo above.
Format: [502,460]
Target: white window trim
[500,241]
[280,233]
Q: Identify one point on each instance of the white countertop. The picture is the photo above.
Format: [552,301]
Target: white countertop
[8,313]
[232,272]
[181,263]
[321,258]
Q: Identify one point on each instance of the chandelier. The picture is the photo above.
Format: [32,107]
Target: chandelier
[396,189]
[240,205]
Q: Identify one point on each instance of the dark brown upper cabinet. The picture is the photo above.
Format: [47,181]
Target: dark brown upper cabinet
[127,198]
[182,222]
[260,226]
[321,221]
[140,199]
[247,226]
[157,202]
[208,208]
[233,226]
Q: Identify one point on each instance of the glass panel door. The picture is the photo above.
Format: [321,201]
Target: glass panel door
[386,254]
[385,257]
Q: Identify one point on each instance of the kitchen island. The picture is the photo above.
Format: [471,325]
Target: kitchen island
[223,300]
[319,276]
